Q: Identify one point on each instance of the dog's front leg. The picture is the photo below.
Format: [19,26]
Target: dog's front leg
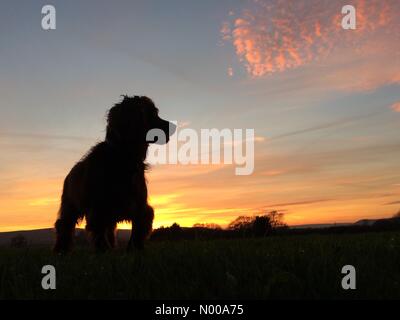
[141,227]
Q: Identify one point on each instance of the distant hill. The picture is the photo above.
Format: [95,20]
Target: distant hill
[47,236]
[40,236]
[366,222]
[320,226]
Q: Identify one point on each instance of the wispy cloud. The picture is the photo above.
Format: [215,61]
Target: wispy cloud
[30,135]
[328,125]
[298,203]
[392,203]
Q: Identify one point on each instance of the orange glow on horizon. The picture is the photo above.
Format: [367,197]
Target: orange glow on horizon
[171,208]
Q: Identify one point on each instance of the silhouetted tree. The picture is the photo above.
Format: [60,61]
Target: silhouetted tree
[207,226]
[261,226]
[174,232]
[397,215]
[176,227]
[19,241]
[240,223]
[276,218]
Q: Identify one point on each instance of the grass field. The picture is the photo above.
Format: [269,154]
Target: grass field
[301,266]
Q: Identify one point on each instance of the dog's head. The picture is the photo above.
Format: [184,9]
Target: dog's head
[130,121]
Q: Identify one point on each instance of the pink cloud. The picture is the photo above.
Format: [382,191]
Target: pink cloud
[396,107]
[275,36]
[226,31]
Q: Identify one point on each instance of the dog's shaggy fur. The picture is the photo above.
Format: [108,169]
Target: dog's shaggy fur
[108,185]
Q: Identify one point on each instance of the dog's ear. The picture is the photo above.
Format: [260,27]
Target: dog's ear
[125,121]
[113,123]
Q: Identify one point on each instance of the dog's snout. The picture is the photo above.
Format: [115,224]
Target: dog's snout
[171,128]
[161,133]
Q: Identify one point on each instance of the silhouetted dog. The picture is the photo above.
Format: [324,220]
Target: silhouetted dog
[108,185]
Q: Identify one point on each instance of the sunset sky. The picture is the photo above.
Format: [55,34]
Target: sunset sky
[324,103]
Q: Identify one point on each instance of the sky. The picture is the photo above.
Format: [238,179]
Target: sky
[324,103]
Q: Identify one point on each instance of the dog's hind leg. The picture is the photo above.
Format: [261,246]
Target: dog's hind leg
[111,235]
[142,225]
[65,226]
